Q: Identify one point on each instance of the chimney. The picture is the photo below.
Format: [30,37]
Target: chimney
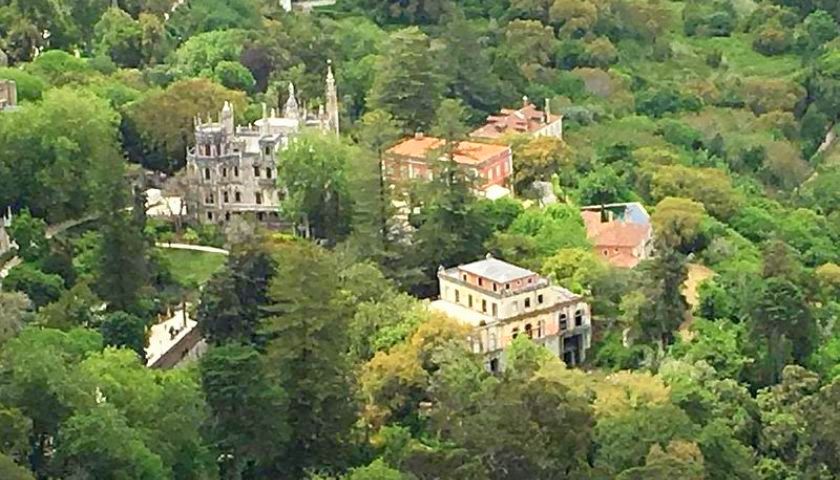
[418,135]
[525,101]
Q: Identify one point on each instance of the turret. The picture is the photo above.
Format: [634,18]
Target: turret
[264,126]
[226,119]
[291,109]
[332,101]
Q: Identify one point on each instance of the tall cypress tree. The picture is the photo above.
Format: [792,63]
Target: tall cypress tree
[308,355]
[450,231]
[124,269]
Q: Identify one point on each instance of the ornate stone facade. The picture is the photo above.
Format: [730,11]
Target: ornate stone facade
[232,170]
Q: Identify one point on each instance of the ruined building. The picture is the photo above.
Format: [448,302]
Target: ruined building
[232,170]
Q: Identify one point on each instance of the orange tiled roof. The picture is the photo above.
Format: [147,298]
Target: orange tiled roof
[525,120]
[468,153]
[617,234]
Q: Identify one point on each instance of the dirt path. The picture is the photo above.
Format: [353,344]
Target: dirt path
[696,274]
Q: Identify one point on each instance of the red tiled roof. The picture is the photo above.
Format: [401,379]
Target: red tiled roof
[525,120]
[618,234]
[468,153]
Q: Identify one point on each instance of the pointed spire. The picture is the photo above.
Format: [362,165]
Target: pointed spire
[291,109]
[330,77]
[226,118]
[264,125]
[332,101]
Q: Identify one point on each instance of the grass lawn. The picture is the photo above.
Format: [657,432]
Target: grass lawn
[190,267]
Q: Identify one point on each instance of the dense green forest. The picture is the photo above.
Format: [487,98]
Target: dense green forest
[718,115]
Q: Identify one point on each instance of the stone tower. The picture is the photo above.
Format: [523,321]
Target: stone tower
[331,119]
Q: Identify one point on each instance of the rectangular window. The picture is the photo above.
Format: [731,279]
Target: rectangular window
[207,174]
[469,301]
[268,173]
[224,172]
[484,306]
[227,216]
[579,318]
[457,296]
[495,310]
[209,215]
[258,198]
[237,197]
[236,172]
[480,282]
[268,151]
[540,299]
[226,197]
[257,172]
[527,303]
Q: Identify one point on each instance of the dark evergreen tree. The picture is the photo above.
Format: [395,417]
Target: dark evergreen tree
[450,229]
[665,307]
[231,302]
[124,270]
[120,329]
[308,359]
[407,84]
[248,412]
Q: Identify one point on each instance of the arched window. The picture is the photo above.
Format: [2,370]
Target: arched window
[563,321]
[578,318]
[529,330]
[207,174]
[515,332]
[237,196]
[258,198]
